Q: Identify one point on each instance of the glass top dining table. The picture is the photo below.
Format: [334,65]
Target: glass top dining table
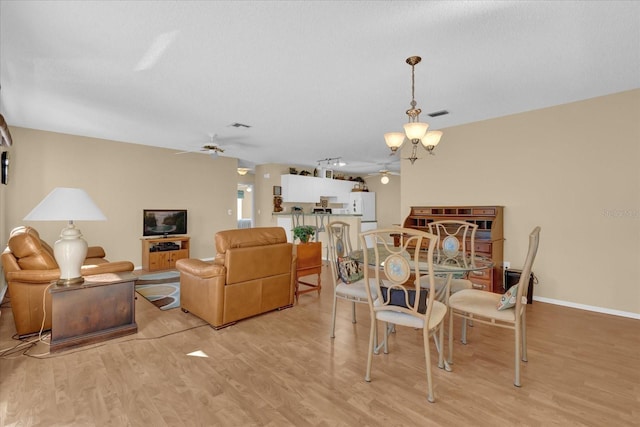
[459,263]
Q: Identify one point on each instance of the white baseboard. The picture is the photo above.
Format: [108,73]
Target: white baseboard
[588,307]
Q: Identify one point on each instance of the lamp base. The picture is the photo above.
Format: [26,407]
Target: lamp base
[69,282]
[70,252]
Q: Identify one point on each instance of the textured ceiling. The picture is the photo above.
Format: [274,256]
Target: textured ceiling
[312,79]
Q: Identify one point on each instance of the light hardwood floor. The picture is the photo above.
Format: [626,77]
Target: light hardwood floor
[282,369]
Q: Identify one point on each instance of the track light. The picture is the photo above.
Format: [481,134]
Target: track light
[333,161]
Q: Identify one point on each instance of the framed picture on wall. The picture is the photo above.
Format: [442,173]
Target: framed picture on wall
[277,190]
[328,173]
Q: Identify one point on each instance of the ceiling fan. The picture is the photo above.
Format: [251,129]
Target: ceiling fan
[384,175]
[212,149]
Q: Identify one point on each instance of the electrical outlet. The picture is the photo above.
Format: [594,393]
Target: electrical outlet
[506,264]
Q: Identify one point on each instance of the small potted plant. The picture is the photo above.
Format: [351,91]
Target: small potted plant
[308,253]
[304,233]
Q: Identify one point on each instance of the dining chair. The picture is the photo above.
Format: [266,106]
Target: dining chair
[505,311]
[297,218]
[452,236]
[398,297]
[322,220]
[347,274]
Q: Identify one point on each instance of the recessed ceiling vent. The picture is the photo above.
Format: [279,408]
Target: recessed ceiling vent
[438,113]
[239,125]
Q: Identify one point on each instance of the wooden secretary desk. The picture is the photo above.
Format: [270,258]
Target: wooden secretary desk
[489,237]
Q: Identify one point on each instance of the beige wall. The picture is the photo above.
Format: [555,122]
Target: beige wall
[388,211]
[122,179]
[572,169]
[267,176]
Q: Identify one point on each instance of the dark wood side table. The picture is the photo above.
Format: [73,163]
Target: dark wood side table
[309,262]
[101,308]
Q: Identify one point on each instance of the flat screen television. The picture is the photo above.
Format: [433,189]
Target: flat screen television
[164,222]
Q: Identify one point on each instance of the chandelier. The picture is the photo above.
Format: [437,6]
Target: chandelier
[414,130]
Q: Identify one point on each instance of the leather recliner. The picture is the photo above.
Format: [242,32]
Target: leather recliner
[30,267]
[253,272]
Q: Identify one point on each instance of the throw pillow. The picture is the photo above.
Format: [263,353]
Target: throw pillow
[398,298]
[349,270]
[508,299]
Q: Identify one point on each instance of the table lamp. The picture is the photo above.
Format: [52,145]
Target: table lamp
[68,204]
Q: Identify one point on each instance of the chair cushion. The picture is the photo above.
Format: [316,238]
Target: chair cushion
[508,299]
[480,303]
[349,270]
[356,290]
[437,315]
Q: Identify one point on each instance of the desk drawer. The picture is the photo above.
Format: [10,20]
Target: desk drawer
[483,247]
[482,279]
[484,211]
[481,284]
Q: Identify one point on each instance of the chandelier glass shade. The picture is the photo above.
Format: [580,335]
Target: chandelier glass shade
[431,139]
[394,140]
[414,130]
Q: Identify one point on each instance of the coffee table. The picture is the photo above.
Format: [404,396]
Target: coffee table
[101,308]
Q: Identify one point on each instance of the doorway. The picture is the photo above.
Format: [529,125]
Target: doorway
[245,205]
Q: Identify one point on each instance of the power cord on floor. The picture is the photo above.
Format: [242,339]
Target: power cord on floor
[31,343]
[50,356]
[23,346]
[44,312]
[41,338]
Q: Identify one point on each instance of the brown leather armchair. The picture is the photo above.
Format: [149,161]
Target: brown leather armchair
[30,267]
[253,273]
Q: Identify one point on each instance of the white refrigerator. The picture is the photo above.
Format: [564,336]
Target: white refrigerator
[364,203]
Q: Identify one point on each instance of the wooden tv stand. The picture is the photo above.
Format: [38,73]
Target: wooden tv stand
[489,237]
[161,253]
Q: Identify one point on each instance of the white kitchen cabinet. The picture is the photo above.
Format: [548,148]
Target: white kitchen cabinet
[300,189]
[342,190]
[309,189]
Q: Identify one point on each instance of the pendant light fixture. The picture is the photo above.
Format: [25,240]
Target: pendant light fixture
[415,130]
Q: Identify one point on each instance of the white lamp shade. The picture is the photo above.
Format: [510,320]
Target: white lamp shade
[66,204]
[415,130]
[394,139]
[242,171]
[432,138]
[384,179]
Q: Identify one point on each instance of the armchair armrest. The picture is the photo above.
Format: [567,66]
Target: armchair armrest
[33,276]
[199,268]
[107,267]
[95,252]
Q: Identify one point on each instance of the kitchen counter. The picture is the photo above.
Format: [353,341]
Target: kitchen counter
[314,214]
[285,220]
